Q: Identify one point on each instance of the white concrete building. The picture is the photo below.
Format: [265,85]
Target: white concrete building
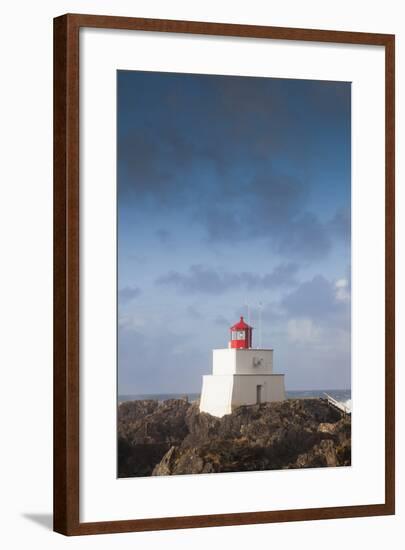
[241,375]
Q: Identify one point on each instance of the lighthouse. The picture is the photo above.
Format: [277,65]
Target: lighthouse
[241,375]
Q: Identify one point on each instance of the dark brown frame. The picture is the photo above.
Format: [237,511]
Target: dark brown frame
[66,273]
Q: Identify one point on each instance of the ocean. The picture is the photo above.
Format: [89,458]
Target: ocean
[344,396]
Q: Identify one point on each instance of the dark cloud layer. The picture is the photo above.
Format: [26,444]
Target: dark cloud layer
[235,155]
[203,279]
[340,224]
[315,299]
[128,293]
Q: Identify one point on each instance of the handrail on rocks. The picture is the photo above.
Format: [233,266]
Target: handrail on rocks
[337,404]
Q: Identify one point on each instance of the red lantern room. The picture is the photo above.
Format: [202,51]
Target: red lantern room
[241,335]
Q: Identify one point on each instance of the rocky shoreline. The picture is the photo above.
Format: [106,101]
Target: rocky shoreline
[173,437]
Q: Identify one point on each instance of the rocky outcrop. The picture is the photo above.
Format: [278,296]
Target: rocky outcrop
[175,438]
[146,431]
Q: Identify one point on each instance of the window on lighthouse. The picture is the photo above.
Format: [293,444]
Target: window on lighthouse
[238,335]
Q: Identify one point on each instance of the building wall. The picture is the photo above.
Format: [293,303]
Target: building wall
[216,395]
[242,361]
[245,389]
[221,394]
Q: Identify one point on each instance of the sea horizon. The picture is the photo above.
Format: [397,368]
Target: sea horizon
[338,394]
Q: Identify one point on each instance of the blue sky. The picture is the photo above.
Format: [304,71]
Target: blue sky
[232,191]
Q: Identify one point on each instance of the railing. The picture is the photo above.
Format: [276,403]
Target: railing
[337,404]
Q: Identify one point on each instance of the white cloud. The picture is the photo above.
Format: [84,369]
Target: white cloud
[131,322]
[342,291]
[303,331]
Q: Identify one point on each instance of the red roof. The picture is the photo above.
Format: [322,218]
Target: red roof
[241,325]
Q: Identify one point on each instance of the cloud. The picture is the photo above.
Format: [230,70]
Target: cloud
[306,237]
[318,313]
[255,206]
[137,157]
[314,334]
[163,235]
[315,299]
[271,207]
[194,313]
[340,224]
[199,279]
[143,368]
[342,290]
[303,331]
[128,293]
[246,171]
[222,321]
[282,275]
[203,279]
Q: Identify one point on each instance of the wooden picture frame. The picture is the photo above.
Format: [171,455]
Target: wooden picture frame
[67,284]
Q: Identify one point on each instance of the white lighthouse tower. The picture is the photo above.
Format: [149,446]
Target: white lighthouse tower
[241,375]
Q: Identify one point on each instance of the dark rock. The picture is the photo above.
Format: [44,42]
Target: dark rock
[146,431]
[175,438]
[135,410]
[322,454]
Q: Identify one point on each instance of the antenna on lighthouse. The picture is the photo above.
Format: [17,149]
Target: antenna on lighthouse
[260,325]
[248,313]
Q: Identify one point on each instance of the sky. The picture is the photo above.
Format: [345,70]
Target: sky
[232,192]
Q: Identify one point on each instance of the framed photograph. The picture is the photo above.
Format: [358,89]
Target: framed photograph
[223,274]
